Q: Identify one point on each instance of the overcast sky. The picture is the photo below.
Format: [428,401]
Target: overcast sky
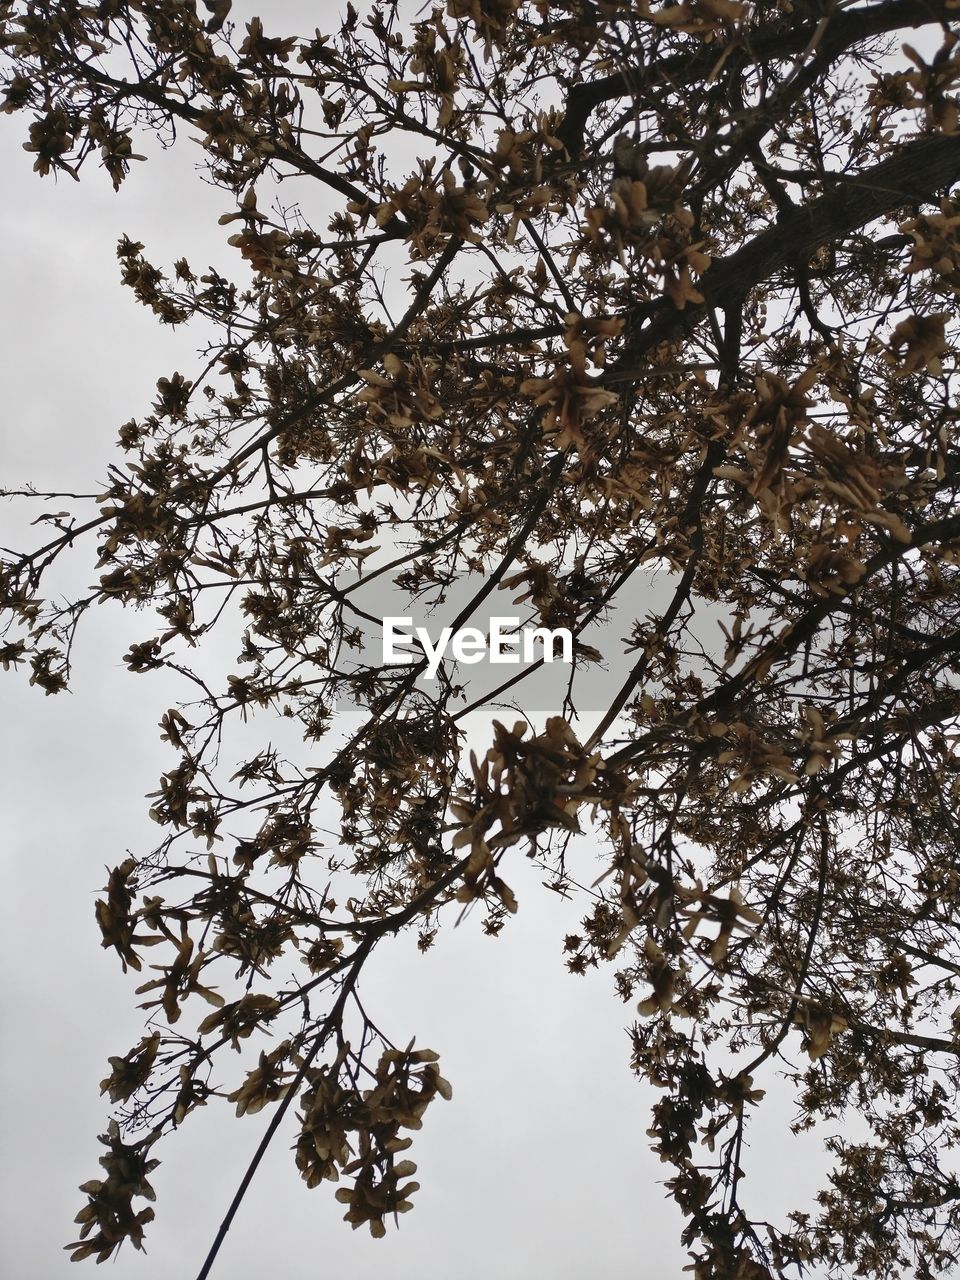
[539,1167]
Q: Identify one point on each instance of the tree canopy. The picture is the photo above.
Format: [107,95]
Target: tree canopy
[558,294]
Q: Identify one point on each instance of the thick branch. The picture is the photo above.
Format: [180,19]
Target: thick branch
[775,41]
[914,173]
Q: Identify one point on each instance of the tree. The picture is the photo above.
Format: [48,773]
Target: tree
[677,290]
